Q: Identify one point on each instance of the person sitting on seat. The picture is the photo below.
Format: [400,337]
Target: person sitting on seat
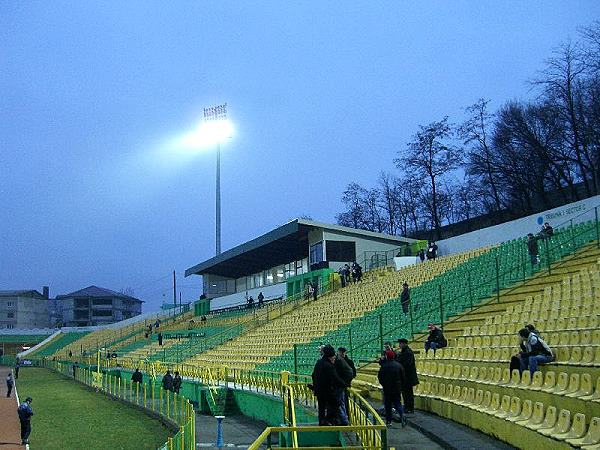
[536,351]
[435,340]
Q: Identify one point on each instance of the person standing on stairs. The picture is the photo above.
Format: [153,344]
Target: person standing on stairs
[391,378]
[532,248]
[325,381]
[406,357]
[405,298]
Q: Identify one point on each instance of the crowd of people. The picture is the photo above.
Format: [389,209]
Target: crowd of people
[334,371]
[350,273]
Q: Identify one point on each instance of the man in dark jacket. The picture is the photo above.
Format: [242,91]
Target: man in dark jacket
[345,372]
[391,378]
[167,381]
[406,357]
[325,382]
[137,376]
[25,412]
[532,248]
[177,383]
[405,298]
[435,339]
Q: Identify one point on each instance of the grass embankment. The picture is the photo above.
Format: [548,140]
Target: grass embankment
[68,415]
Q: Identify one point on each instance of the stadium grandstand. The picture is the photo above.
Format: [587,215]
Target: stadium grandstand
[480,296]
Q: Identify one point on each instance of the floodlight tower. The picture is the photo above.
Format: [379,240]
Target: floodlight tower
[218,128]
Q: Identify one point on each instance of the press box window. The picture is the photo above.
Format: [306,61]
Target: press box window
[316,253]
[342,251]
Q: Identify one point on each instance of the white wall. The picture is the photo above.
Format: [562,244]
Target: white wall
[581,211]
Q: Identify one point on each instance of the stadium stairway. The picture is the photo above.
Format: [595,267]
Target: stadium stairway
[470,381]
[327,313]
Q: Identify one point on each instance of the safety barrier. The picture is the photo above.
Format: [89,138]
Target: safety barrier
[294,390]
[173,408]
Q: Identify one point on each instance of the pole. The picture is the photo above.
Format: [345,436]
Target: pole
[596,226]
[497,280]
[350,341]
[218,202]
[174,292]
[470,289]
[441,307]
[296,359]
[381,331]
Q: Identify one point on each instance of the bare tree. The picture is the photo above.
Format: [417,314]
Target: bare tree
[475,132]
[431,157]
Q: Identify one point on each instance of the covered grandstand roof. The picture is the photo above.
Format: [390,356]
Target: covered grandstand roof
[286,243]
[95,291]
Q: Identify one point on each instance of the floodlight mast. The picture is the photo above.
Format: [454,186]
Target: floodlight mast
[217,114]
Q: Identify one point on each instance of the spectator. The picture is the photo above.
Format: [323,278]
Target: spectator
[342,274]
[405,298]
[9,384]
[250,302]
[547,231]
[344,354]
[70,354]
[25,412]
[532,248]
[391,378]
[314,287]
[422,255]
[203,319]
[137,376]
[167,381]
[325,381]
[347,273]
[344,371]
[177,383]
[432,250]
[406,357]
[261,299]
[157,323]
[17,365]
[536,351]
[160,339]
[435,339]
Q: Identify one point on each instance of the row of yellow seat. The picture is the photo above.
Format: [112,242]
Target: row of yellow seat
[561,425]
[551,324]
[566,337]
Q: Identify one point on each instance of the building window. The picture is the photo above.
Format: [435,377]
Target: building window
[316,253]
[341,251]
[102,313]
[9,304]
[10,325]
[102,302]
[10,315]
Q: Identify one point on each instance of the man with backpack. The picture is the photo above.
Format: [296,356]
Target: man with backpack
[435,339]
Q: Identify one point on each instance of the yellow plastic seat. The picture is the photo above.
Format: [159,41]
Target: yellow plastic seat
[474,373]
[592,437]
[504,410]
[442,390]
[464,373]
[562,425]
[585,387]
[537,416]
[549,381]
[587,358]
[494,405]
[506,376]
[576,431]
[515,377]
[576,355]
[478,400]
[548,422]
[524,414]
[496,376]
[456,372]
[537,381]
[574,380]
[483,374]
[485,404]
[595,395]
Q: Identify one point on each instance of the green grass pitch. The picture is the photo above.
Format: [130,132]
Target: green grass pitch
[68,415]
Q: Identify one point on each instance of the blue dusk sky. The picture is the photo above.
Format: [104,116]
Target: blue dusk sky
[93,95]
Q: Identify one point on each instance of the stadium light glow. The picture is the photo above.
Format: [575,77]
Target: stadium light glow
[208,134]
